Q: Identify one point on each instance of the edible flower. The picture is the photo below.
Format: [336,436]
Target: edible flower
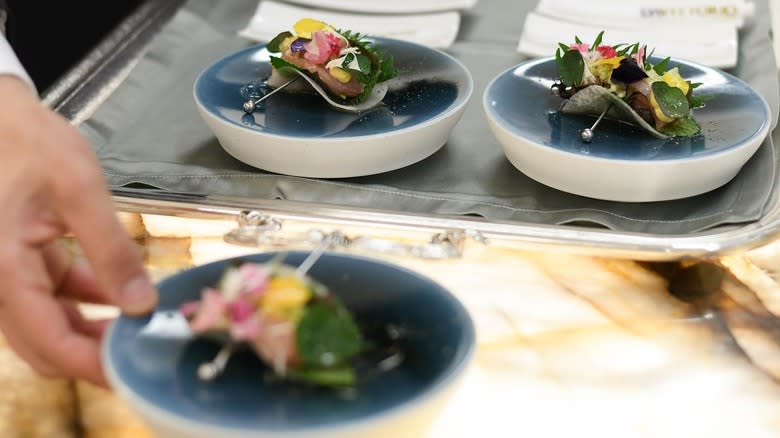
[343,62]
[655,96]
[290,321]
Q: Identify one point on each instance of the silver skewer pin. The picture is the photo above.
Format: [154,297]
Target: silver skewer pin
[587,133]
[208,371]
[250,105]
[328,241]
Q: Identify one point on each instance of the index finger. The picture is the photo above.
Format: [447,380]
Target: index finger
[84,203]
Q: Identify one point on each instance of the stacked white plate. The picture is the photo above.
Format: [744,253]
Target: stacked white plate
[701,31]
[432,23]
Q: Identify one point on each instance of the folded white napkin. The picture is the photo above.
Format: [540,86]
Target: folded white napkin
[774,9]
[713,43]
[388,7]
[437,30]
[632,14]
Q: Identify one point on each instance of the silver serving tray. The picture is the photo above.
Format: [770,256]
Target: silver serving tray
[78,93]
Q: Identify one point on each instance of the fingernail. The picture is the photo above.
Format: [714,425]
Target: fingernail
[138,296]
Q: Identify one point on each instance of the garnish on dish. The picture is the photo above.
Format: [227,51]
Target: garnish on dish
[621,83]
[343,62]
[294,324]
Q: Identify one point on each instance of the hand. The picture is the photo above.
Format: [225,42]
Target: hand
[51,183]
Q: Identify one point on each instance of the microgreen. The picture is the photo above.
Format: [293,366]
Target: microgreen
[327,336]
[660,68]
[683,127]
[597,41]
[571,66]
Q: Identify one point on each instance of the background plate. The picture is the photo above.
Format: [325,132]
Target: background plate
[299,134]
[525,115]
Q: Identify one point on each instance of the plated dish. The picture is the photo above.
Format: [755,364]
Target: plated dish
[624,84]
[292,322]
[340,65]
[624,162]
[153,361]
[302,135]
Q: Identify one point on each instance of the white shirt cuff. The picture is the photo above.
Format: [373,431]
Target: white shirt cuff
[9,63]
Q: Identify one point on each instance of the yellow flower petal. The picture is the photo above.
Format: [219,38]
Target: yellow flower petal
[602,68]
[673,79]
[340,74]
[305,26]
[613,62]
[285,296]
[285,44]
[659,114]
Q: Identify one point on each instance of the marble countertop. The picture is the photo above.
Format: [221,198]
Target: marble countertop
[568,345]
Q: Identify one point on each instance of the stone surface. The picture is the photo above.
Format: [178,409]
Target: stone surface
[568,345]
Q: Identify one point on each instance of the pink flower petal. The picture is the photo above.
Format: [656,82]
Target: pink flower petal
[241,309]
[640,54]
[335,42]
[245,330]
[318,50]
[189,309]
[211,312]
[275,342]
[582,48]
[606,51]
[254,279]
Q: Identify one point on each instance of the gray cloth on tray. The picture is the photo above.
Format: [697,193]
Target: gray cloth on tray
[148,132]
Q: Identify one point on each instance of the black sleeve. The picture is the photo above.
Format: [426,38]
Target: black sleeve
[50,43]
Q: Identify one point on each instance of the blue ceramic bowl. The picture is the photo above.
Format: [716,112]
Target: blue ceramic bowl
[624,163]
[299,134]
[153,367]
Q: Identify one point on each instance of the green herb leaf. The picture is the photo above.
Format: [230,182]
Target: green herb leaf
[570,67]
[386,69]
[629,50]
[698,101]
[684,127]
[364,64]
[660,68]
[273,45]
[347,60]
[341,376]
[597,41]
[564,48]
[380,68]
[577,39]
[327,336]
[671,100]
